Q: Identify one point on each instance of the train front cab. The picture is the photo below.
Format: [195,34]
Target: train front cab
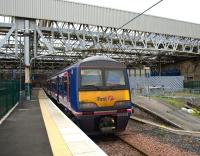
[103,96]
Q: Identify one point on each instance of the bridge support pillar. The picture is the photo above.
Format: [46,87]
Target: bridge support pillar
[27,60]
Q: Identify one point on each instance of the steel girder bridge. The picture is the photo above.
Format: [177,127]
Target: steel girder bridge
[54,45]
[49,35]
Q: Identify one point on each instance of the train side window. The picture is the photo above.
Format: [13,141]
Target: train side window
[60,86]
[66,85]
[54,85]
[67,88]
[49,85]
[57,85]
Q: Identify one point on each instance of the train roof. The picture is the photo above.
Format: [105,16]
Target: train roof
[89,59]
[95,58]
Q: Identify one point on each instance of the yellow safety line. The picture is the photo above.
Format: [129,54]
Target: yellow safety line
[58,145]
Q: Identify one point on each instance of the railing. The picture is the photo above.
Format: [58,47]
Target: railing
[193,86]
[9,95]
[156,85]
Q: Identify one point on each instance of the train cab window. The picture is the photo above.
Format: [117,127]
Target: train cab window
[114,78]
[91,77]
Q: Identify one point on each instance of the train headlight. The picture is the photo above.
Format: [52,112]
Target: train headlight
[87,105]
[122,103]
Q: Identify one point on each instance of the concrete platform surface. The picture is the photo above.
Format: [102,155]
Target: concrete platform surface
[70,137]
[23,133]
[39,128]
[183,119]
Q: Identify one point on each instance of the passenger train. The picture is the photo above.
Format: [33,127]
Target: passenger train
[95,92]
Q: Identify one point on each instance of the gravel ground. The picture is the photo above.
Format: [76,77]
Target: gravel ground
[168,143]
[113,146]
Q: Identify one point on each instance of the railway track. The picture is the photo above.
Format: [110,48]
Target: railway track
[115,145]
[135,146]
[153,140]
[147,117]
[141,138]
[143,113]
[133,142]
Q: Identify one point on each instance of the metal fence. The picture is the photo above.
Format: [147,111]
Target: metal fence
[9,95]
[193,86]
[156,85]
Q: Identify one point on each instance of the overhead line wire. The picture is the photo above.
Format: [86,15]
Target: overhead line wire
[140,14]
[137,16]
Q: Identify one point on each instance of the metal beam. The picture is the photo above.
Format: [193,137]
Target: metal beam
[51,49]
[3,41]
[61,42]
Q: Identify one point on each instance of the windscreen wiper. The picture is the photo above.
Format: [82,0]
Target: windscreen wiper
[117,86]
[92,86]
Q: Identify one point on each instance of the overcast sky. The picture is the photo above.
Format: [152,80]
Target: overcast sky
[185,10]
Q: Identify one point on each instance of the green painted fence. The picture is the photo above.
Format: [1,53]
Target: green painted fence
[9,95]
[192,84]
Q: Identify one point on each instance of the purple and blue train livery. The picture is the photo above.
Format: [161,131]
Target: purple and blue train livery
[95,92]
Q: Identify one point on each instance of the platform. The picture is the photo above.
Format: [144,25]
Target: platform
[180,118]
[40,128]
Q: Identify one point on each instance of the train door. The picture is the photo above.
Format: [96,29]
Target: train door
[62,88]
[50,87]
[66,88]
[57,88]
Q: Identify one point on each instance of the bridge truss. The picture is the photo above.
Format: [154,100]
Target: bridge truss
[55,45]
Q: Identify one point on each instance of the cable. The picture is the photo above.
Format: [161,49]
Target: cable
[140,14]
[137,16]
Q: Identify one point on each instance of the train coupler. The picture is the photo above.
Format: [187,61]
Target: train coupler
[107,124]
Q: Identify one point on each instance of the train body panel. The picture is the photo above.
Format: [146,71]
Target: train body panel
[74,88]
[96,91]
[107,98]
